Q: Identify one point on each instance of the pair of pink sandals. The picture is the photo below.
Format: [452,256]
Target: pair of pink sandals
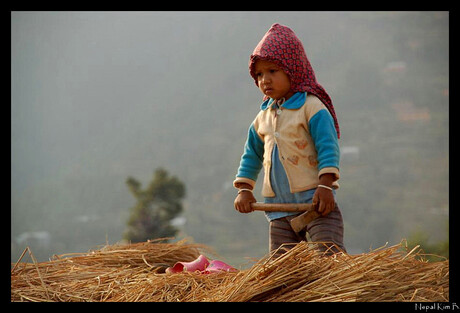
[202,265]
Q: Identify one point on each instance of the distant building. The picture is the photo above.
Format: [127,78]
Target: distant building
[395,67]
[407,111]
[349,153]
[41,239]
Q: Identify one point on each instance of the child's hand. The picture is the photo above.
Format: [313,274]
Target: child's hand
[243,202]
[324,198]
[325,201]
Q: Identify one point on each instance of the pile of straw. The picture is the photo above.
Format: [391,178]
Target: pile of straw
[135,272]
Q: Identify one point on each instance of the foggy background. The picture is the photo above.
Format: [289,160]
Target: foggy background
[100,96]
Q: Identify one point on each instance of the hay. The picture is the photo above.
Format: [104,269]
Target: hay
[134,273]
[303,274]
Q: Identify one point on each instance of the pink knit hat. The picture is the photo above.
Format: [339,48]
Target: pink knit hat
[281,46]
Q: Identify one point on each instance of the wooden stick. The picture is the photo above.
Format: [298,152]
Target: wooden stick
[282,207]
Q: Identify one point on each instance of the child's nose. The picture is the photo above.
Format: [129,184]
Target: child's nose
[266,79]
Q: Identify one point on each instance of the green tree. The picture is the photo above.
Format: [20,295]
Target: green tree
[156,206]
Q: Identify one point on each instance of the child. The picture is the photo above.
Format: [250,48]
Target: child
[294,138]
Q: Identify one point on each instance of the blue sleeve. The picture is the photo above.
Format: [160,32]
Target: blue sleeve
[324,136]
[252,158]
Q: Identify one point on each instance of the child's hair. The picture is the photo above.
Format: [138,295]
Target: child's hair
[281,46]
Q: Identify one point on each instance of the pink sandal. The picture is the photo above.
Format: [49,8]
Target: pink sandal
[201,264]
[198,265]
[218,266]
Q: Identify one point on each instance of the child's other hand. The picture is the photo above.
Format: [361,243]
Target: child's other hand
[325,201]
[243,202]
[323,197]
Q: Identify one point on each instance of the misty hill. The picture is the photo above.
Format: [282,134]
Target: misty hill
[100,96]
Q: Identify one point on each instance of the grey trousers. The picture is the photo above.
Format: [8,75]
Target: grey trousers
[328,230]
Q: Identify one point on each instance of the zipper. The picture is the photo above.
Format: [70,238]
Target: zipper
[280,154]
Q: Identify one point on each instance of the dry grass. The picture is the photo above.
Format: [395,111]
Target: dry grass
[134,273]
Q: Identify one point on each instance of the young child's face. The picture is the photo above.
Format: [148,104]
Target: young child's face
[272,80]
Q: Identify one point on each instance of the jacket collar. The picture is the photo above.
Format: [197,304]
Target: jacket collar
[295,102]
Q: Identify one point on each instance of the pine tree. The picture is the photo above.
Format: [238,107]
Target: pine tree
[156,206]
